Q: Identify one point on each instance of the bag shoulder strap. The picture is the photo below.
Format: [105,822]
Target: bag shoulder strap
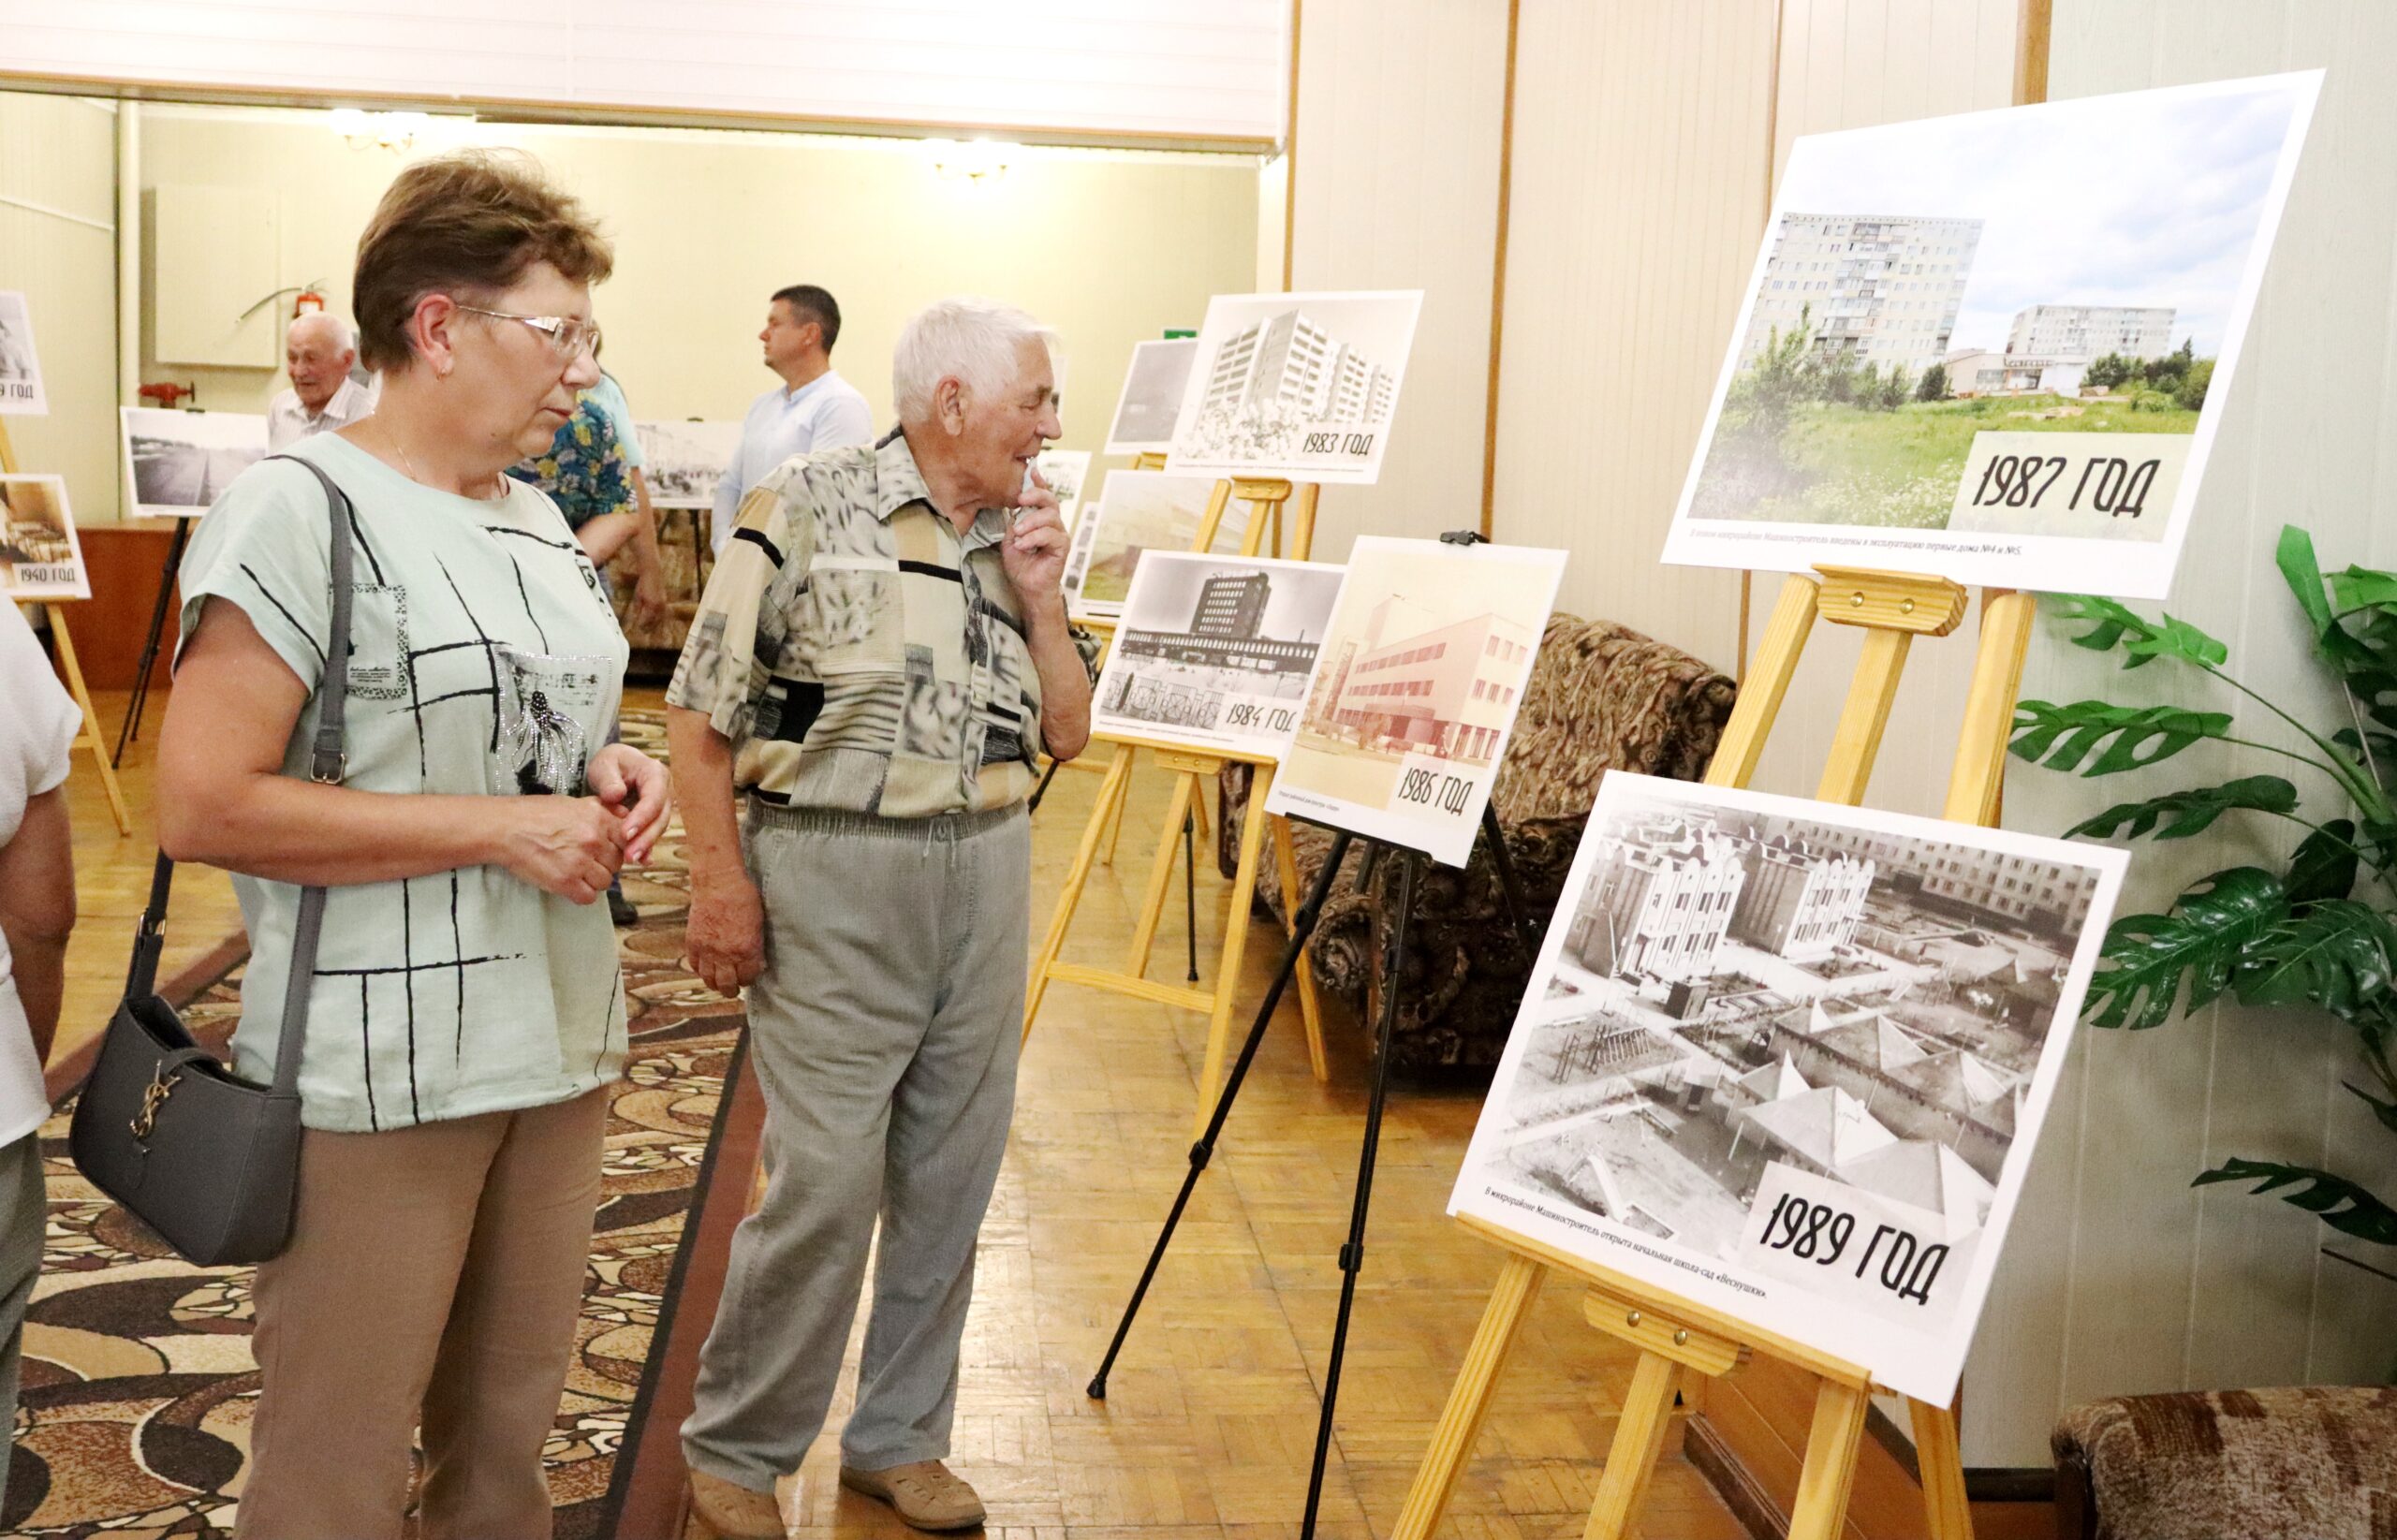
[327,765]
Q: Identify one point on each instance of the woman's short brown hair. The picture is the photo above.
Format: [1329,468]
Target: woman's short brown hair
[474,221]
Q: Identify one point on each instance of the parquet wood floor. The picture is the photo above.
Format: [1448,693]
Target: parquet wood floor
[1209,1425]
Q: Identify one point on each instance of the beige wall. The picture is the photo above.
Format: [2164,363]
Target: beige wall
[1109,246]
[1397,163]
[59,153]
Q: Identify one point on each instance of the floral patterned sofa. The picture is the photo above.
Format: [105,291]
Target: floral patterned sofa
[1600,697]
[2311,1462]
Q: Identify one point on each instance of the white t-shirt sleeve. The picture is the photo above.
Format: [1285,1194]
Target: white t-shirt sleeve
[39,720]
[264,547]
[846,423]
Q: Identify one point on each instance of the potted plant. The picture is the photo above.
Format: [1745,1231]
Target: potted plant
[2318,932]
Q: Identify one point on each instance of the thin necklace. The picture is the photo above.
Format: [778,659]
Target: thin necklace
[499,482]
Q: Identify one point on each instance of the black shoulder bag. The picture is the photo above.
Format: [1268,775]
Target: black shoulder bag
[209,1160]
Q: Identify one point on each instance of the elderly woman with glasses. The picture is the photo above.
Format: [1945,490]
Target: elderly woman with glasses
[467,1009]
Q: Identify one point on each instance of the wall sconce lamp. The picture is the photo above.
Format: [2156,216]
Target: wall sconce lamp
[976,161]
[394,131]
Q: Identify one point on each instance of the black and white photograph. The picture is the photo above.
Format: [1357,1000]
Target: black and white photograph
[685,461]
[1217,652]
[1151,399]
[1790,1059]
[40,555]
[1304,386]
[21,387]
[180,462]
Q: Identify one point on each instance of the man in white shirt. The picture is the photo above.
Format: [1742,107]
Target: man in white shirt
[38,722]
[318,351]
[813,409]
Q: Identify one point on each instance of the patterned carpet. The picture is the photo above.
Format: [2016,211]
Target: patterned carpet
[139,1384]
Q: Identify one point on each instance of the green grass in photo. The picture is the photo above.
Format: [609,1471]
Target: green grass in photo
[1896,469]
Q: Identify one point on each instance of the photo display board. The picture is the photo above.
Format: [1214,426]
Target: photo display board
[1422,673]
[40,558]
[1996,348]
[1299,386]
[180,462]
[1152,400]
[1217,652]
[21,387]
[1789,1060]
[1138,512]
[1066,473]
[685,460]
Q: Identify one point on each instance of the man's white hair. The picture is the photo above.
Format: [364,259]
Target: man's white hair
[965,338]
[344,334]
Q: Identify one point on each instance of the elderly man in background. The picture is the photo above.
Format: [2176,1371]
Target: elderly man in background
[318,350]
[813,408]
[880,656]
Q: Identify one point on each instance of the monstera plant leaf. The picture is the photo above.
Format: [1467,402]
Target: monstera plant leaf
[2063,736]
[2368,669]
[2150,958]
[2333,955]
[2190,812]
[2112,625]
[2340,1203]
[2324,864]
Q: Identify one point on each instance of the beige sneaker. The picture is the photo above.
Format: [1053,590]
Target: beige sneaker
[925,1493]
[735,1512]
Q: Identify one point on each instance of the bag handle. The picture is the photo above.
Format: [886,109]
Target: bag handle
[328,765]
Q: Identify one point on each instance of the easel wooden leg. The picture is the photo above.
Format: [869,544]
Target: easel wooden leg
[1124,753]
[1110,794]
[1460,1425]
[1857,741]
[90,737]
[1219,1021]
[1829,1472]
[1285,869]
[1638,1440]
[1144,932]
[1941,1459]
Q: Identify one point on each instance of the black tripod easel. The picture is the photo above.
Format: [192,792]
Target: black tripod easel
[131,727]
[1352,1254]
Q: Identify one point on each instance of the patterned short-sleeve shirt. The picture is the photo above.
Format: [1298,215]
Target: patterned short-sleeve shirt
[859,653]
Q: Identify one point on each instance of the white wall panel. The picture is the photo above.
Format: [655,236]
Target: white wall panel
[1639,194]
[1397,165]
[1178,68]
[2168,1287]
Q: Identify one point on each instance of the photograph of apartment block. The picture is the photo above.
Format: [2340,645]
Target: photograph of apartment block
[1736,989]
[1418,683]
[1290,362]
[2049,348]
[1885,289]
[1201,632]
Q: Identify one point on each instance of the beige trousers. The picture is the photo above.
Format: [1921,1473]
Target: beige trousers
[434,1274]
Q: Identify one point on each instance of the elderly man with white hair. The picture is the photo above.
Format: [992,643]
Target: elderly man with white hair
[318,350]
[877,663]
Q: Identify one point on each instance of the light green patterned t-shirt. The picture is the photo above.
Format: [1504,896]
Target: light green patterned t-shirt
[484,660]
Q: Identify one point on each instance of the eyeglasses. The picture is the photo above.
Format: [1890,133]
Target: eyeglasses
[568,334]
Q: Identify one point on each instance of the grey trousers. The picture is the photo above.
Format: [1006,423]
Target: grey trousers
[25,1211]
[884,1033]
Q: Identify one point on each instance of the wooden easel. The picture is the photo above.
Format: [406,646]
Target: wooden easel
[1675,1336]
[1192,769]
[90,737]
